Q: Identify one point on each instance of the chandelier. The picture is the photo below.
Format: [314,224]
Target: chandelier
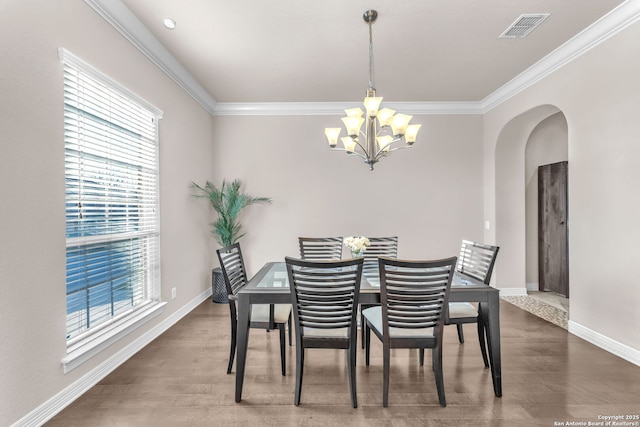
[378,138]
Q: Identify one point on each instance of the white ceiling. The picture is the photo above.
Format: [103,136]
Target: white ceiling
[303,51]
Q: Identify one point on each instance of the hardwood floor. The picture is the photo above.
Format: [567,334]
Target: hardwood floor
[549,377]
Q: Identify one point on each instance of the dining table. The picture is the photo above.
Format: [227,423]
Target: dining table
[270,285]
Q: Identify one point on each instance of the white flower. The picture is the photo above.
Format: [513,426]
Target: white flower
[356,243]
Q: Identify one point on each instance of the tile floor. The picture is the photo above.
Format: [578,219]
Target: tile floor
[549,306]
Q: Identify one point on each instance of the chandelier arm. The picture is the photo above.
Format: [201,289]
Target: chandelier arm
[350,152]
[380,153]
[360,145]
[360,155]
[380,150]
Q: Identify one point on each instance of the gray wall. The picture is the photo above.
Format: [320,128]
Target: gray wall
[430,195]
[32,224]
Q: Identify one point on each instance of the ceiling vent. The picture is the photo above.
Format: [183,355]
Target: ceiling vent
[524,25]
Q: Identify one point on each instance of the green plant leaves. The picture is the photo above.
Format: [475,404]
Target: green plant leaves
[228,201]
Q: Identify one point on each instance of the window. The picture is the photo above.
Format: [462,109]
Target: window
[111,195]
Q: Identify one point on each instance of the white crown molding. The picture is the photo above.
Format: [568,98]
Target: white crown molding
[610,24]
[122,19]
[337,108]
[612,346]
[64,398]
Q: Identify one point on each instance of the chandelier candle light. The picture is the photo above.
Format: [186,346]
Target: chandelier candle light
[378,139]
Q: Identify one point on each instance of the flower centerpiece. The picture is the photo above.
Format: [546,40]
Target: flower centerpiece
[357,245]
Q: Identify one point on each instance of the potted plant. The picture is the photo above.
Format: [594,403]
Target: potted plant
[227,200]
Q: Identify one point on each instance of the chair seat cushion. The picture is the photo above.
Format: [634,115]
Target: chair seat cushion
[462,309]
[260,313]
[326,333]
[374,316]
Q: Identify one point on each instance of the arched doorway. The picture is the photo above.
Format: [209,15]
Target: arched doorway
[547,152]
[533,138]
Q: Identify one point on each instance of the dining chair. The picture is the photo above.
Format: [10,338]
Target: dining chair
[320,248]
[476,260]
[413,296]
[265,316]
[325,297]
[378,246]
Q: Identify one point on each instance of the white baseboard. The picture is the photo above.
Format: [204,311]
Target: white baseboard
[513,292]
[64,398]
[621,350]
[534,286]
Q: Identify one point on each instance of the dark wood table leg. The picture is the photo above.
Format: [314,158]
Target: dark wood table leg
[492,318]
[244,313]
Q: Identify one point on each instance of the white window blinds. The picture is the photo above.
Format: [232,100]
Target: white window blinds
[112,218]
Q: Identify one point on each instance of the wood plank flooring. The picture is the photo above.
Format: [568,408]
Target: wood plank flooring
[549,377]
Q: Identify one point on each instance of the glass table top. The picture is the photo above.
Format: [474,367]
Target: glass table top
[277,277]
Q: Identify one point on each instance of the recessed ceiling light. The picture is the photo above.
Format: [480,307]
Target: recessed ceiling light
[169,23]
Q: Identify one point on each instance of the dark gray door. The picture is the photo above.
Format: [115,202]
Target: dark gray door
[553,242]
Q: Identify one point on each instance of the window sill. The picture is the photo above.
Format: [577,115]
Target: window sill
[80,355]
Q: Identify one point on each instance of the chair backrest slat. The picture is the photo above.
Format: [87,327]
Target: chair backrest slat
[320,248]
[477,260]
[379,246]
[324,293]
[233,271]
[414,293]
